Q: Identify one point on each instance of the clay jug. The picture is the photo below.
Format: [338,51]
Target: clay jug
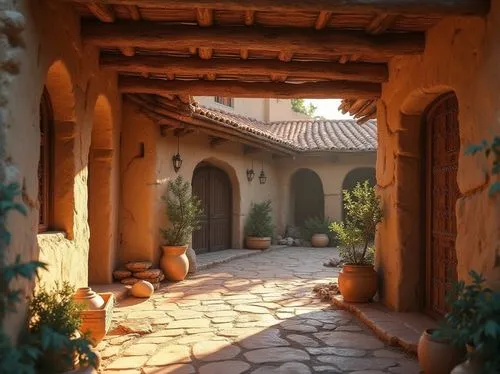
[438,356]
[358,283]
[174,262]
[89,299]
[319,240]
[254,242]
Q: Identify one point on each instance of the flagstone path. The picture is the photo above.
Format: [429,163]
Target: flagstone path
[252,315]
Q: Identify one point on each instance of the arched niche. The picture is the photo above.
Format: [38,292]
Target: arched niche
[307,196]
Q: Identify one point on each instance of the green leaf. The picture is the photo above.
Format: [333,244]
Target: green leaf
[492,329]
[494,188]
[474,148]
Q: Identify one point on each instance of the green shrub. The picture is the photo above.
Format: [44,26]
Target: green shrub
[357,234]
[183,212]
[316,225]
[259,222]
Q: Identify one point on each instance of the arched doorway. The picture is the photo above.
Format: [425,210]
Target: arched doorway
[442,192]
[308,199]
[355,176]
[213,186]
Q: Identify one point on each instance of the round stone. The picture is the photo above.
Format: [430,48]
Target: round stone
[129,281]
[142,289]
[148,274]
[120,274]
[138,265]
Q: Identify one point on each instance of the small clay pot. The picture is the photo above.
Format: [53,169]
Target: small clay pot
[89,299]
[254,242]
[438,356]
[320,240]
[358,283]
[174,262]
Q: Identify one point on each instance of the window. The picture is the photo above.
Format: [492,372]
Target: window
[227,101]
[45,164]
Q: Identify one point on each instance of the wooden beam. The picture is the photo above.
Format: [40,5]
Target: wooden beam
[380,23]
[103,12]
[413,7]
[322,20]
[249,17]
[150,35]
[205,18]
[128,51]
[362,72]
[318,90]
[244,53]
[134,12]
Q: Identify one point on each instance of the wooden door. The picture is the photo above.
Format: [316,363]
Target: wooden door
[213,187]
[443,147]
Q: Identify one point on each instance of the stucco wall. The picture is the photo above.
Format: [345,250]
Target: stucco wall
[462,55]
[51,39]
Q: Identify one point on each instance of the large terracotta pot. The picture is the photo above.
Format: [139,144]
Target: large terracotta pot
[254,242]
[438,356]
[319,240]
[174,262]
[358,283]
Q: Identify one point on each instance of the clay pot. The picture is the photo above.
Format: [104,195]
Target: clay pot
[97,322]
[191,255]
[358,283]
[174,262]
[320,240]
[89,299]
[254,242]
[142,289]
[438,356]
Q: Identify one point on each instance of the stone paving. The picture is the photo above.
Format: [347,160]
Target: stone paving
[253,315]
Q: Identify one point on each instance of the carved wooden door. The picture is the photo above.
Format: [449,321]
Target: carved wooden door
[443,147]
[213,187]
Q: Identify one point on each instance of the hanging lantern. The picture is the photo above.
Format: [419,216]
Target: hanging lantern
[250,173]
[177,159]
[262,176]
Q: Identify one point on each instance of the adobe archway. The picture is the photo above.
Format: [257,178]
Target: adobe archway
[307,196]
[355,176]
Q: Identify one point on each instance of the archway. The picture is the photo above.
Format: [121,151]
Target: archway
[100,204]
[355,176]
[308,199]
[214,188]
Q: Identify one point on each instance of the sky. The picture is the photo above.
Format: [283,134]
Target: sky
[328,108]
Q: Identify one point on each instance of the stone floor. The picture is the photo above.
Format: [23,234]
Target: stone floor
[250,315]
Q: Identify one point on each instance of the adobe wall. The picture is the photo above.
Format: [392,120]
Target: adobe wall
[145,181]
[50,39]
[462,55]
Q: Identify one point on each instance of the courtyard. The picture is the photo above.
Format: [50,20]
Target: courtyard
[250,315]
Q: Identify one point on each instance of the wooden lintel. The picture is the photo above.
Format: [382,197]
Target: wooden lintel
[215,141]
[317,90]
[413,7]
[103,12]
[152,35]
[362,72]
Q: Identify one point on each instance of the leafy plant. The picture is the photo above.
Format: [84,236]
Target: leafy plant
[489,149]
[299,106]
[183,211]
[474,319]
[316,225]
[54,322]
[259,221]
[357,234]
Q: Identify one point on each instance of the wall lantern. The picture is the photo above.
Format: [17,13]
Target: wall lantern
[250,173]
[177,159]
[262,176]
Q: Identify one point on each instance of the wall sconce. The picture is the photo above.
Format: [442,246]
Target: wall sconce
[250,173]
[177,159]
[262,176]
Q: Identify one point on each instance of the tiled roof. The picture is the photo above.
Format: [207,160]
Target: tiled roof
[305,136]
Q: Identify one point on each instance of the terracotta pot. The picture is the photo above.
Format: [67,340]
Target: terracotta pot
[438,356]
[174,262]
[89,299]
[254,242]
[320,240]
[97,322]
[358,283]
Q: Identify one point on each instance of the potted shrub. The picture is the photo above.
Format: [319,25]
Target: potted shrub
[183,211]
[317,231]
[259,226]
[358,279]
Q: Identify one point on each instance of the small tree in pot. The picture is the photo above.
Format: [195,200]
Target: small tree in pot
[259,226]
[183,212]
[358,279]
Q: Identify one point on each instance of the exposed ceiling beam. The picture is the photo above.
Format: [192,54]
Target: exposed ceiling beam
[317,90]
[103,12]
[428,7]
[216,141]
[380,23]
[362,72]
[150,35]
[322,20]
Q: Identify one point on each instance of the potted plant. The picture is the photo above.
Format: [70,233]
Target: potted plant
[358,279]
[259,226]
[317,231]
[183,211]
